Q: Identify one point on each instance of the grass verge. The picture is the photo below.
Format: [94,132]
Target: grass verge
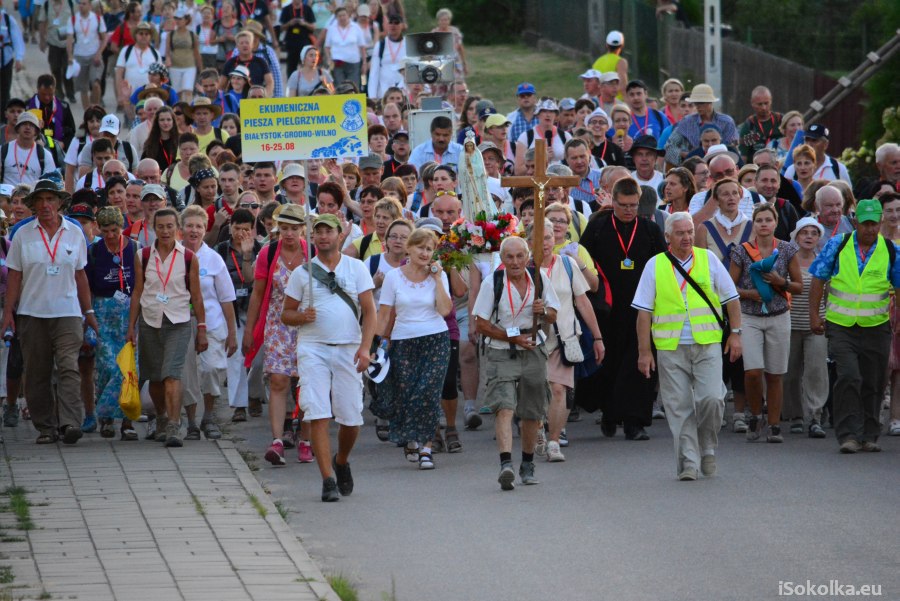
[343,587]
[260,508]
[20,506]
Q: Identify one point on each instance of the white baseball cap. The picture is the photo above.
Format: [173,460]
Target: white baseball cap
[615,38]
[110,125]
[591,74]
[609,77]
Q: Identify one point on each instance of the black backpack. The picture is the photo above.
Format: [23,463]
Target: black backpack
[498,294]
[129,49]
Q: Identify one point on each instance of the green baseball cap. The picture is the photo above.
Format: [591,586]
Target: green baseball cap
[868,210]
[331,221]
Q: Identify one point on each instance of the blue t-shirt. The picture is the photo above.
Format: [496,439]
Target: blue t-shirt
[103,270]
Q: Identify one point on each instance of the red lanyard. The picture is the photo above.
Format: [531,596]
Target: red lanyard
[165,154]
[343,33]
[550,269]
[512,310]
[646,127]
[438,158]
[86,28]
[209,35]
[47,245]
[862,255]
[250,11]
[761,131]
[836,226]
[365,228]
[25,164]
[238,266]
[139,57]
[591,184]
[171,266]
[622,242]
[603,153]
[394,55]
[689,271]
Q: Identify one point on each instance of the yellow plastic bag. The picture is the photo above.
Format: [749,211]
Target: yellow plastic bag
[130,395]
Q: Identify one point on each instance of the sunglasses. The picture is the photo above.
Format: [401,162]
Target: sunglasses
[136,182]
[178,113]
[250,205]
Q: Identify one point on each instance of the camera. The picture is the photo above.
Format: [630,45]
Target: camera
[430,58]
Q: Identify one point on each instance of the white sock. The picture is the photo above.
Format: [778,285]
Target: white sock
[426,451]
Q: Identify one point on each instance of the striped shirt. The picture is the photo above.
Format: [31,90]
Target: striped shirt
[519,124]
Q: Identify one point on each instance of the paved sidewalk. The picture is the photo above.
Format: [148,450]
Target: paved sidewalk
[133,520]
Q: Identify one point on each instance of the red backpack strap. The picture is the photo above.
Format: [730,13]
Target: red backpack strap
[145,258]
[188,259]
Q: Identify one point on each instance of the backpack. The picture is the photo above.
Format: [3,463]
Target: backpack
[4,152]
[374,261]
[152,49]
[188,259]
[72,10]
[364,245]
[498,294]
[834,168]
[529,137]
[7,40]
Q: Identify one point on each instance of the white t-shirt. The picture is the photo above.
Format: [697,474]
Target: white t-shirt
[722,284]
[415,305]
[355,232]
[137,66]
[653,182]
[87,34]
[215,284]
[745,206]
[72,152]
[48,288]
[345,43]
[383,267]
[96,181]
[557,144]
[22,165]
[335,322]
[564,288]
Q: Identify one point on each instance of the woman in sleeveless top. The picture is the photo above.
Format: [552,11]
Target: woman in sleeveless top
[165,293]
[728,227]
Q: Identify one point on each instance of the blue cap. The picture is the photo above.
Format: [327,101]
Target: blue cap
[525,88]
[486,112]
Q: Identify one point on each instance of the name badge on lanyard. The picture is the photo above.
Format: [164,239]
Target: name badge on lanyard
[52,269]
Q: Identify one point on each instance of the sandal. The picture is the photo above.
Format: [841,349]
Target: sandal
[239,415]
[383,429]
[128,431]
[47,439]
[107,428]
[255,408]
[437,443]
[411,455]
[452,440]
[425,461]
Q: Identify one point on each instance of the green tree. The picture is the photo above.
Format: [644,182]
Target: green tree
[485,21]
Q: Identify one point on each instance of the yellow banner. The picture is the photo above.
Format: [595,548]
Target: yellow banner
[305,127]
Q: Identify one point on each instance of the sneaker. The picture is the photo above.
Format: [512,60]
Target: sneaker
[485,410]
[72,434]
[753,429]
[275,456]
[473,420]
[304,452]
[658,412]
[894,429]
[574,415]
[850,446]
[329,486]
[193,432]
[608,428]
[507,478]
[10,416]
[151,428]
[344,477]
[688,474]
[816,431]
[708,465]
[526,473]
[173,431]
[870,447]
[89,425]
[540,447]
[161,424]
[563,438]
[636,433]
[738,425]
[239,415]
[773,434]
[211,430]
[797,426]
[288,440]
[554,455]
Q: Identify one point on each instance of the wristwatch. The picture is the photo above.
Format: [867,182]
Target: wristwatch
[736,331]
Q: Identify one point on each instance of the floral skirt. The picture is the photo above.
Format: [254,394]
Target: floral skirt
[413,386]
[112,317]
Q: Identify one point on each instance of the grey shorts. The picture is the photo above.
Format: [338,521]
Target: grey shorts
[517,381]
[161,351]
[89,73]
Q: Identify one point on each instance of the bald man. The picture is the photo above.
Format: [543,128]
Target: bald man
[148,170]
[761,127]
[141,132]
[703,206]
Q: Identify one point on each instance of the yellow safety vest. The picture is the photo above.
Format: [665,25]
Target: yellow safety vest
[669,309]
[861,299]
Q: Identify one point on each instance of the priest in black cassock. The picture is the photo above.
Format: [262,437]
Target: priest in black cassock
[621,244]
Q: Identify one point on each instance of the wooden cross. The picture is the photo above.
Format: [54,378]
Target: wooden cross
[539,181]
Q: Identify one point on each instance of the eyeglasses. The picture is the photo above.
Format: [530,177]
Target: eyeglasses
[627,207]
[250,205]
[136,182]
[726,173]
[109,174]
[396,238]
[558,221]
[178,113]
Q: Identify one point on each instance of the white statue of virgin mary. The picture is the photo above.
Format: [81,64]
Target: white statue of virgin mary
[473,182]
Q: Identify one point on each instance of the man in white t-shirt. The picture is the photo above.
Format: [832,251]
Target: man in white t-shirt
[133,66]
[24,160]
[345,48]
[332,349]
[86,48]
[644,152]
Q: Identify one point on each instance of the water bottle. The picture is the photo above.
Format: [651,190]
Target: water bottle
[8,336]
[90,337]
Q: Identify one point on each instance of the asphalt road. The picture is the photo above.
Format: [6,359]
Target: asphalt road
[612,522]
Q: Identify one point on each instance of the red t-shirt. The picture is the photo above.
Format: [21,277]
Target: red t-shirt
[211,211]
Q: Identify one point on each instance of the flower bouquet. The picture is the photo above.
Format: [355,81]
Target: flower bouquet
[466,239]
